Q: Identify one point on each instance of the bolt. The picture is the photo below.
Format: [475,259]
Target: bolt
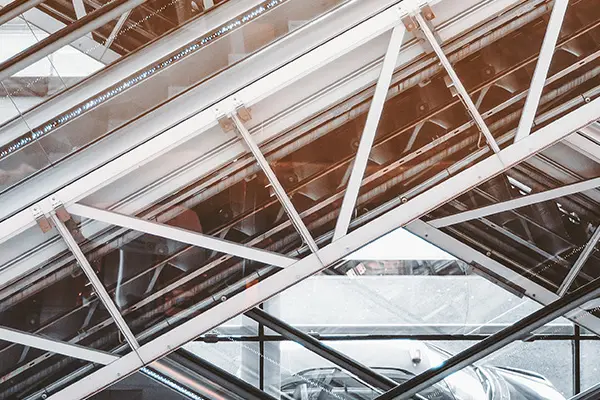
[587,99]
[489,253]
[404,200]
[223,298]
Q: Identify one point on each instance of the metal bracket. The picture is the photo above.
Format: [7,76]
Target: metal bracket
[40,218]
[59,209]
[427,12]
[410,23]
[243,113]
[225,122]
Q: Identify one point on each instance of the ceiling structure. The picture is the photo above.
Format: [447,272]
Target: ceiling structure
[209,167]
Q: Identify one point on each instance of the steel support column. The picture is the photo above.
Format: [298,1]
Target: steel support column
[368,135]
[181,235]
[354,367]
[495,342]
[541,69]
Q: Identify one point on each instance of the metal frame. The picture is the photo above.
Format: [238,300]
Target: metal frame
[95,281]
[399,216]
[541,69]
[589,248]
[275,184]
[495,342]
[56,346]
[182,235]
[515,203]
[354,367]
[369,131]
[462,92]
[16,8]
[66,36]
[206,119]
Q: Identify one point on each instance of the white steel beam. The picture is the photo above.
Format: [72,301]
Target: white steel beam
[589,248]
[462,92]
[369,131]
[115,31]
[55,346]
[541,69]
[308,266]
[95,281]
[193,126]
[470,255]
[279,190]
[181,235]
[515,203]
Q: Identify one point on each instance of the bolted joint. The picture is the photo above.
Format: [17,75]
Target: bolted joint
[225,122]
[40,218]
[410,23]
[427,13]
[243,113]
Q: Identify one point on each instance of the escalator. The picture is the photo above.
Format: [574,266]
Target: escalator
[159,81]
[424,137]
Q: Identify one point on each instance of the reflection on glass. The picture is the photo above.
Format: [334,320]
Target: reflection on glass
[127,100]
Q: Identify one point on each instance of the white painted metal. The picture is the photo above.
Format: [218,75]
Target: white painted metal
[275,184]
[462,92]
[181,235]
[587,251]
[541,69]
[200,122]
[515,203]
[46,23]
[15,12]
[79,9]
[208,160]
[55,346]
[469,255]
[115,31]
[330,254]
[369,131]
[99,288]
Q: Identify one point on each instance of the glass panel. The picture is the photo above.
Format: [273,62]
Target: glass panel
[105,112]
[240,359]
[384,290]
[143,386]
